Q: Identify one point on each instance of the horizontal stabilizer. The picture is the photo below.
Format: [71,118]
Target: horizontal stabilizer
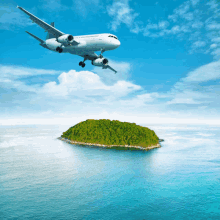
[37,38]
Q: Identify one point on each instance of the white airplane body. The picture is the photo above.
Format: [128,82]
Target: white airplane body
[84,45]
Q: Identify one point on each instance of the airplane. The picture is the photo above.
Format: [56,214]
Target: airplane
[84,45]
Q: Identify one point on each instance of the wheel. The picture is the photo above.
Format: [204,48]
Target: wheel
[83,65]
[80,63]
[59,49]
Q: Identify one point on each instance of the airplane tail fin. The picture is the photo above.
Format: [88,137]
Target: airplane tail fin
[48,34]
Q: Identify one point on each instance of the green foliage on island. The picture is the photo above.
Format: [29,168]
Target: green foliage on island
[109,132]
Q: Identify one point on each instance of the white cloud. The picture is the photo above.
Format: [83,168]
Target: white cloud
[189,16]
[83,84]
[76,92]
[198,44]
[179,23]
[189,91]
[216,39]
[204,73]
[212,4]
[183,94]
[192,21]
[72,91]
[152,27]
[216,53]
[86,85]
[121,13]
[195,2]
[183,100]
[163,24]
[152,101]
[197,24]
[10,76]
[109,77]
[181,11]
[212,46]
[139,100]
[213,26]
[19,71]
[83,7]
[140,119]
[175,29]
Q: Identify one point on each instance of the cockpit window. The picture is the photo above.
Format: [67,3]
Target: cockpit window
[112,36]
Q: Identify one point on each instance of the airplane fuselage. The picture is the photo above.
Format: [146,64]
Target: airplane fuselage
[95,42]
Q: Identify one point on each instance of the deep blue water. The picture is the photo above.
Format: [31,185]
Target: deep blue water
[44,178]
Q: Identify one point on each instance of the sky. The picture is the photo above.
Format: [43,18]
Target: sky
[168,63]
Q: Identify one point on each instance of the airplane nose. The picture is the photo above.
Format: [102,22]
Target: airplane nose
[118,43]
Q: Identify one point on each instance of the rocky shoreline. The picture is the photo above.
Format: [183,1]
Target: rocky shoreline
[110,146]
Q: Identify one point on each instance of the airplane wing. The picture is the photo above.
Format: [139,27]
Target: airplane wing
[108,67]
[48,28]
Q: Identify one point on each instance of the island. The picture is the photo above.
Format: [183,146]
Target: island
[111,134]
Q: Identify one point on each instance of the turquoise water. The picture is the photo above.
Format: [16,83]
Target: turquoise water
[44,178]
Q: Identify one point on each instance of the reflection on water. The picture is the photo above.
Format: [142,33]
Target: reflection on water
[43,178]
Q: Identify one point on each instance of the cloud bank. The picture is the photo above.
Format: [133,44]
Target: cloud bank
[194,21]
[87,93]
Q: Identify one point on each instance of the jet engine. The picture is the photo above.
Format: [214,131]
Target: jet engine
[65,39]
[100,62]
[52,44]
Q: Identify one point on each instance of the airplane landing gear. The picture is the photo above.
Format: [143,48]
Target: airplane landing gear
[82,64]
[102,51]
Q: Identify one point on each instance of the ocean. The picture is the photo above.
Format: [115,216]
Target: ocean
[42,177]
